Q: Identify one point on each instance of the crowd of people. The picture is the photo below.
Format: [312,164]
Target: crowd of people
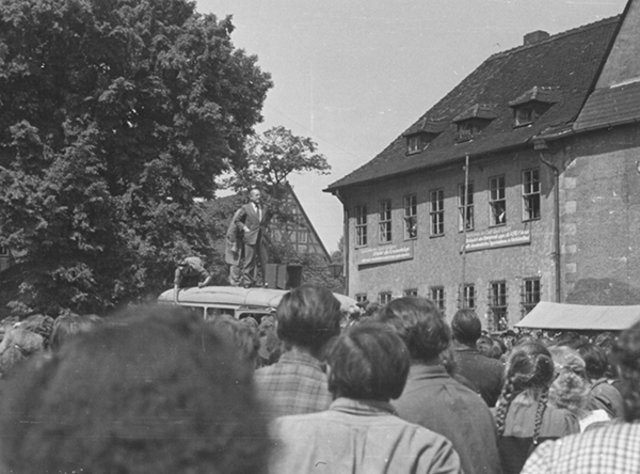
[398,389]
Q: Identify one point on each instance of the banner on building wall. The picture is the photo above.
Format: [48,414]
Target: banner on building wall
[497,238]
[385,254]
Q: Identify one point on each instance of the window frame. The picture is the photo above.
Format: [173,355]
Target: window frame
[531,294]
[465,207]
[437,295]
[385,221]
[531,192]
[469,296]
[385,297]
[361,226]
[436,212]
[497,201]
[411,292]
[410,204]
[498,303]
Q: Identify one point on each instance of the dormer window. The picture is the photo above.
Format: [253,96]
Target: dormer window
[414,144]
[473,120]
[532,104]
[524,116]
[421,134]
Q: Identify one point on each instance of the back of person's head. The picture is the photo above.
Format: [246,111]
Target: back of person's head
[595,359]
[626,354]
[420,325]
[308,317]
[466,326]
[368,361]
[529,368]
[569,388]
[161,392]
[570,339]
[243,335]
[68,325]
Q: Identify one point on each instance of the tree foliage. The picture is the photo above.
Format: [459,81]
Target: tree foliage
[272,157]
[114,116]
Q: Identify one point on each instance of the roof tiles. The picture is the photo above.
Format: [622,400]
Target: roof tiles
[566,63]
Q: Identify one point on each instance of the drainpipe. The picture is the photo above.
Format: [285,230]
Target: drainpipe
[346,242]
[541,146]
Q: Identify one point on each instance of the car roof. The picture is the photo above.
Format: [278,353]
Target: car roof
[237,295]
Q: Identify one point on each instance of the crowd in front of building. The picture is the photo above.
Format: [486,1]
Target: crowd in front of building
[399,389]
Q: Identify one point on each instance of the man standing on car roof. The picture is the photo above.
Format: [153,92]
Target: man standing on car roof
[192,270]
[254,218]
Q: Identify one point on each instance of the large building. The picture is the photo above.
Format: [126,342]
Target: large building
[522,184]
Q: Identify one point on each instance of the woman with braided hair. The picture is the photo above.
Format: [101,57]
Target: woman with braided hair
[523,416]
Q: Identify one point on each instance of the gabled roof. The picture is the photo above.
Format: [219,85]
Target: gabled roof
[566,62]
[546,95]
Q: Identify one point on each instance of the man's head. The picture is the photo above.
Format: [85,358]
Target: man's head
[466,327]
[308,317]
[626,353]
[420,325]
[368,361]
[144,394]
[255,196]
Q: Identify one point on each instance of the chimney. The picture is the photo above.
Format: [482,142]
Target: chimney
[535,37]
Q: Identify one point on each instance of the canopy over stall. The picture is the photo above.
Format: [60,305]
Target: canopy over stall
[578,317]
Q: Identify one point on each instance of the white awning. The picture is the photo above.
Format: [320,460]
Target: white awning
[578,317]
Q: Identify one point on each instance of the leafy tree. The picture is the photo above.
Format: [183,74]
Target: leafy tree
[115,115]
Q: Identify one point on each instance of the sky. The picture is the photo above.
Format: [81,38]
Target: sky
[354,74]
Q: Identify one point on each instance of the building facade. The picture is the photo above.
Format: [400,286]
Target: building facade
[521,185]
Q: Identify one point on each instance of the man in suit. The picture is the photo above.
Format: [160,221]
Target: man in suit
[254,218]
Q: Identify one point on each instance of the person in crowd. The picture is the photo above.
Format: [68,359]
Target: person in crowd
[360,432]
[524,418]
[490,347]
[233,249]
[570,388]
[18,345]
[242,334]
[270,346]
[308,317]
[432,398]
[602,394]
[159,392]
[190,270]
[41,324]
[68,325]
[485,373]
[606,449]
[253,219]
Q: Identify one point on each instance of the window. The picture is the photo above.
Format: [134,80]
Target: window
[465,207]
[361,298]
[498,305]
[385,220]
[361,226]
[437,212]
[530,294]
[437,296]
[302,236]
[411,292]
[3,251]
[414,144]
[410,216]
[531,194]
[384,297]
[469,296]
[523,115]
[497,201]
[466,131]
